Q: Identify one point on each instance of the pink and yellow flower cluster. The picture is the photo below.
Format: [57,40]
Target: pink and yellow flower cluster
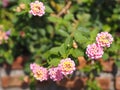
[40,73]
[96,50]
[65,67]
[37,8]
[104,39]
[4,36]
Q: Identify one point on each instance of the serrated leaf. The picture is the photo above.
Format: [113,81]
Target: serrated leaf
[62,33]
[76,52]
[54,50]
[54,62]
[62,50]
[80,38]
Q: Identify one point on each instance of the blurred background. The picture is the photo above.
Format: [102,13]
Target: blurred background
[65,30]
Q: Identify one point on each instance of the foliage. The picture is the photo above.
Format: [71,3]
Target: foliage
[50,38]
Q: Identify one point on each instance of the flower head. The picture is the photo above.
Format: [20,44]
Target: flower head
[37,8]
[22,6]
[33,67]
[55,74]
[5,3]
[94,51]
[3,36]
[8,33]
[104,39]
[40,73]
[67,66]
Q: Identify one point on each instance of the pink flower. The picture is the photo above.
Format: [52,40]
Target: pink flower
[33,67]
[3,36]
[55,74]
[40,73]
[67,66]
[37,8]
[94,51]
[5,3]
[8,32]
[104,39]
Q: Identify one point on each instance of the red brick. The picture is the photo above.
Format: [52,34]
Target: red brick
[107,65]
[104,83]
[117,83]
[82,62]
[62,82]
[74,84]
[79,83]
[19,62]
[16,81]
[43,83]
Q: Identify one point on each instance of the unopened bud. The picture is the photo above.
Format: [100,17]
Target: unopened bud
[75,45]
[18,9]
[22,6]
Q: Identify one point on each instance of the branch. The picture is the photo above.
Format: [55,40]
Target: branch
[64,10]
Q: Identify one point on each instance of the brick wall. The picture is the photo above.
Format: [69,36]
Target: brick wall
[14,78]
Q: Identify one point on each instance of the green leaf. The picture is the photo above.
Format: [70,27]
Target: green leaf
[114,48]
[68,16]
[62,50]
[1,60]
[106,28]
[117,63]
[25,1]
[80,38]
[54,50]
[54,19]
[68,41]
[50,29]
[62,33]
[26,68]
[9,58]
[54,62]
[93,34]
[48,9]
[105,56]
[42,31]
[76,52]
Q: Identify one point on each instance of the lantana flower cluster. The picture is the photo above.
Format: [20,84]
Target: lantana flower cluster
[20,7]
[96,50]
[5,3]
[65,67]
[4,36]
[37,8]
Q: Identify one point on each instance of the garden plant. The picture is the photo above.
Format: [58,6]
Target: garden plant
[55,33]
